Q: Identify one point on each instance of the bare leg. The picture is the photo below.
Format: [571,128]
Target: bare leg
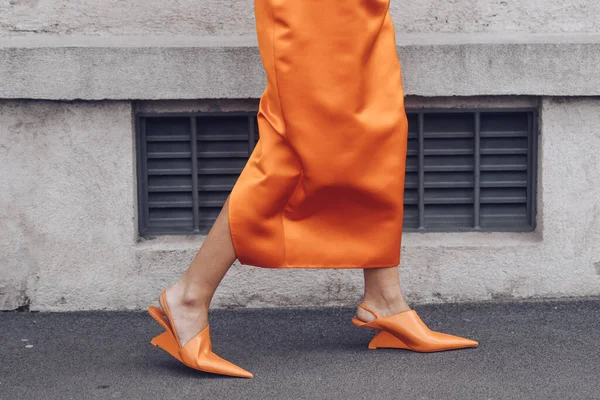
[189,298]
[382,293]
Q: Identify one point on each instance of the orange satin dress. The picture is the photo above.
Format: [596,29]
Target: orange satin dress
[324,186]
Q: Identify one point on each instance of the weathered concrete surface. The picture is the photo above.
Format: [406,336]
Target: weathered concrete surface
[531,351]
[67,216]
[186,67]
[68,231]
[227,17]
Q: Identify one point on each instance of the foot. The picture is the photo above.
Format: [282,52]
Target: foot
[383,307]
[190,316]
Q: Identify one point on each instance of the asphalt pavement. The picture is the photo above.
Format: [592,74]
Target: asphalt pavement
[528,350]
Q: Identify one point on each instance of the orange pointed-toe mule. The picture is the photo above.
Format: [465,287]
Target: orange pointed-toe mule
[197,353]
[405,330]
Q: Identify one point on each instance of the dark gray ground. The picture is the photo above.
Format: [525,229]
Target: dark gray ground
[547,350]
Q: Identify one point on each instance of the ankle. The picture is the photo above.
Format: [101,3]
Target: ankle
[386,304]
[188,295]
[384,300]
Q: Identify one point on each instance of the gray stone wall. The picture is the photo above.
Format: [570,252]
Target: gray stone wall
[68,220]
[67,214]
[235,17]
[68,229]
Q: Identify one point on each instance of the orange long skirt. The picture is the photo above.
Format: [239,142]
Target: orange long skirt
[324,186]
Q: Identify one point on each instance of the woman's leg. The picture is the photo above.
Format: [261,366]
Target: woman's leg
[189,298]
[382,293]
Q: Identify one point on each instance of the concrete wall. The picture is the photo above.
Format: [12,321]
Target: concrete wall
[185,67]
[235,17]
[67,215]
[68,236]
[68,231]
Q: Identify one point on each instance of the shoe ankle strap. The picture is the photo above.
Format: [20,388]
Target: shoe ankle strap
[369,309]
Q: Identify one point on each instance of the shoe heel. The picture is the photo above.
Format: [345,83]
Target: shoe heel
[167,342]
[385,340]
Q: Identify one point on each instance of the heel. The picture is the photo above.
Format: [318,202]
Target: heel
[167,342]
[385,340]
[159,316]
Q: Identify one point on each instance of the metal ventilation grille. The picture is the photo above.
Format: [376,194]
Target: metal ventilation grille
[188,165]
[466,170]
[471,170]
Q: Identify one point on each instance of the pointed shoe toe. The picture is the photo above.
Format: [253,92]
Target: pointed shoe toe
[454,342]
[407,331]
[198,354]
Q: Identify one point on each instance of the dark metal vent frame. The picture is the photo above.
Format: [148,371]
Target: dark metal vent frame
[419,199]
[529,168]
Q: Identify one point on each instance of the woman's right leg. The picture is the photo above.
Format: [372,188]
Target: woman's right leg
[189,298]
[382,293]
